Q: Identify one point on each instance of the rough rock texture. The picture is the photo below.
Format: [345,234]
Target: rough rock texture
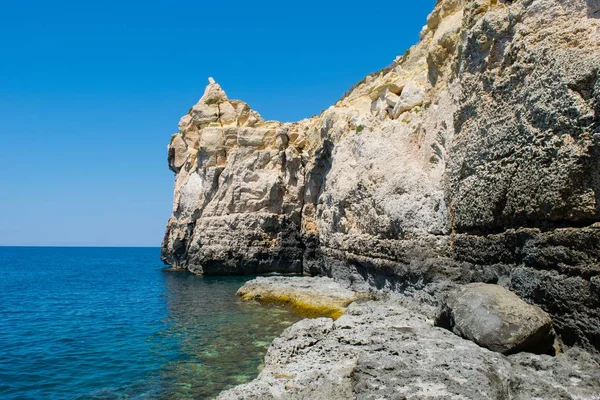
[498,319]
[472,158]
[309,296]
[380,350]
[238,189]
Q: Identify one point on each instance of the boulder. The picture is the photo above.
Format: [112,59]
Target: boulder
[391,98]
[411,97]
[384,350]
[495,318]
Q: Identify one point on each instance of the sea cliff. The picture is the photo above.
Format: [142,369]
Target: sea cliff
[474,157]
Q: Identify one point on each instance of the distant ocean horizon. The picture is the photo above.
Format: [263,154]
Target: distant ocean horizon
[111,322]
[44,246]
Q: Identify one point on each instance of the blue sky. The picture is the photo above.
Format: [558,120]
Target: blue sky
[90,93]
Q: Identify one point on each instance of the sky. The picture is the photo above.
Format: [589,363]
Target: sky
[90,93]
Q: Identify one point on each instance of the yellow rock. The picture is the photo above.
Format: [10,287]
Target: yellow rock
[309,297]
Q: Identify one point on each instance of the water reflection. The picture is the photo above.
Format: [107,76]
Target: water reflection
[217,341]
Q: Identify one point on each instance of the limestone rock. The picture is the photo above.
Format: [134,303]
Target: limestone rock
[309,296]
[498,319]
[382,350]
[237,191]
[412,96]
[391,98]
[485,169]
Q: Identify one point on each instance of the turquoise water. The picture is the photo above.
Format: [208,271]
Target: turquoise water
[109,323]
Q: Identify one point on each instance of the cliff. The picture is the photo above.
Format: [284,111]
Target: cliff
[472,158]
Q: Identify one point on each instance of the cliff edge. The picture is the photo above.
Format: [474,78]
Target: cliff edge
[474,157]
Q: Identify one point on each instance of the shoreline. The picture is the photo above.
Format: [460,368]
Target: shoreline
[451,164]
[392,346]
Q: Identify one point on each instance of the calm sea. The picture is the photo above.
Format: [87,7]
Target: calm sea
[110,323]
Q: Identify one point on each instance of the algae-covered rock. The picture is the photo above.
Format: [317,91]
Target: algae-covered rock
[309,296]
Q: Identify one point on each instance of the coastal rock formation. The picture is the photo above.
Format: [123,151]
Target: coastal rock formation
[237,206]
[308,296]
[382,350]
[474,157]
[498,319]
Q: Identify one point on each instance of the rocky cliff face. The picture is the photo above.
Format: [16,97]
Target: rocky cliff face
[473,157]
[238,191]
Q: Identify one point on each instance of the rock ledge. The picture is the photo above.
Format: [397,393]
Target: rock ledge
[382,350]
[308,296]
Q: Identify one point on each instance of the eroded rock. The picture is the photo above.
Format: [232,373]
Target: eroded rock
[411,97]
[382,350]
[473,157]
[309,296]
[496,318]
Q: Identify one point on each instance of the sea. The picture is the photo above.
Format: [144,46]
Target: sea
[114,323]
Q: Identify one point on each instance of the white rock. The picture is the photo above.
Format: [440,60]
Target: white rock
[411,97]
[390,98]
[184,122]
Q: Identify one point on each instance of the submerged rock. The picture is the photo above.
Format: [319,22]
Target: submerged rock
[498,319]
[310,297]
[382,350]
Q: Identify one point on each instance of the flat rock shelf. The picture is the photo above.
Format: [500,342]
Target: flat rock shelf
[307,296]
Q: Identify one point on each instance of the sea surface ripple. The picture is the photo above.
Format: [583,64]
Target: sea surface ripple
[111,323]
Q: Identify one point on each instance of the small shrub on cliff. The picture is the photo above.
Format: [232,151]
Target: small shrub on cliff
[215,100]
[360,128]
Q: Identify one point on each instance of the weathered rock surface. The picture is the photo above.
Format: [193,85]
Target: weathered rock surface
[498,319]
[237,192]
[472,158]
[309,296]
[382,350]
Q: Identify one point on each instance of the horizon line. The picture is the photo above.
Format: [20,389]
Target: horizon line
[80,246]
